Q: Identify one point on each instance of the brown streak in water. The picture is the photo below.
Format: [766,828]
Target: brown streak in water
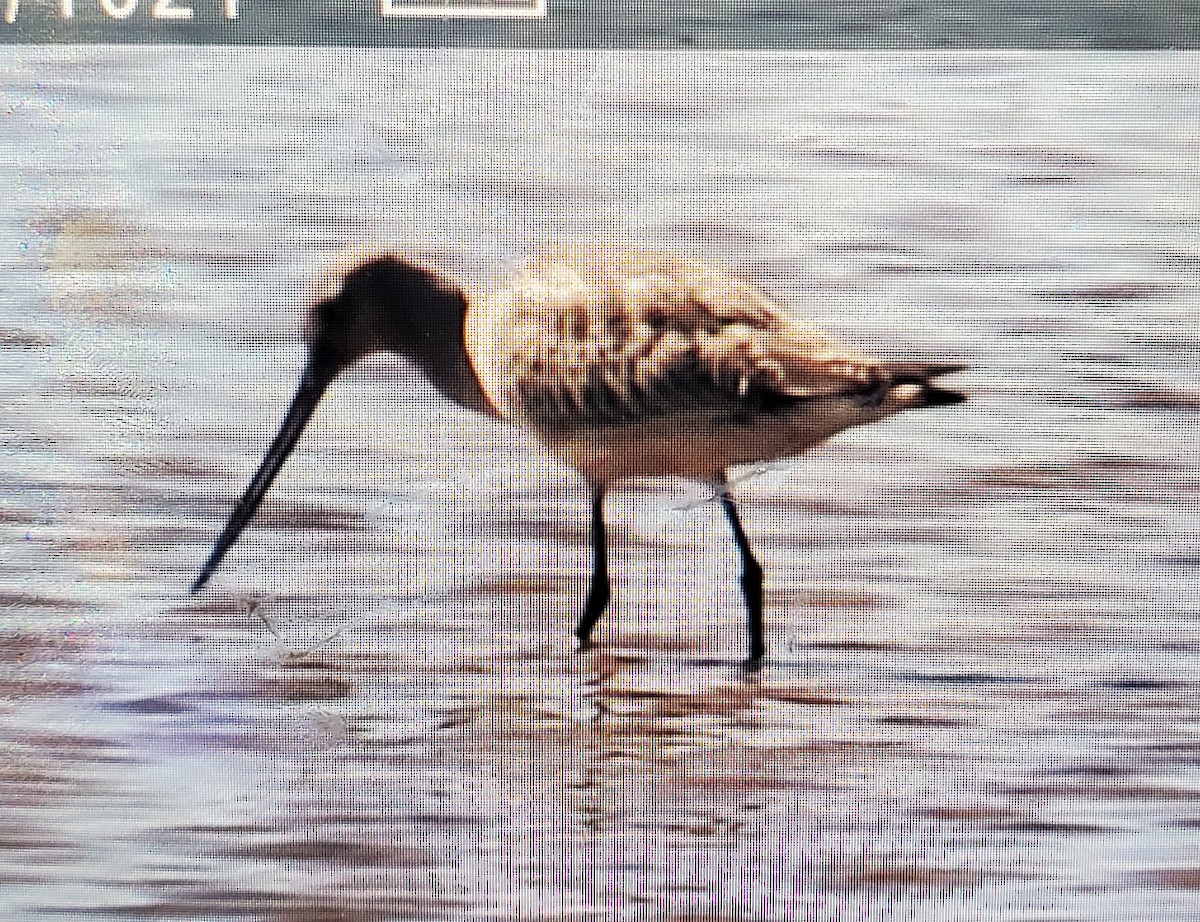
[534,584]
[660,704]
[728,701]
[32,600]
[30,838]
[1109,791]
[660,643]
[353,854]
[1174,878]
[445,820]
[741,784]
[916,720]
[855,646]
[179,467]
[28,646]
[1172,399]
[835,599]
[1118,291]
[307,516]
[911,876]
[35,686]
[20,516]
[13,338]
[610,664]
[978,814]
[1052,828]
[268,906]
[302,686]
[221,829]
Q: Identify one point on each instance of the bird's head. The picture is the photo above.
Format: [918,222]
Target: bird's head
[383,303]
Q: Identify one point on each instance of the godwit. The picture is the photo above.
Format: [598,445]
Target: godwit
[623,365]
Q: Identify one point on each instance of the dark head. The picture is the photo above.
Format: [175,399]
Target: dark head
[384,303]
[389,304]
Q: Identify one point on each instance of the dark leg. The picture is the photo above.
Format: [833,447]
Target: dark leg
[597,599]
[752,578]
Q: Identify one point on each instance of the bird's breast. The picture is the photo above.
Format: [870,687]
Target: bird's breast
[489,346]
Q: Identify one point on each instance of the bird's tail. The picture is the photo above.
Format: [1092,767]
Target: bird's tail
[911,387]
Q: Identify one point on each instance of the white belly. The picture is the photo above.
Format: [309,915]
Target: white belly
[697,447]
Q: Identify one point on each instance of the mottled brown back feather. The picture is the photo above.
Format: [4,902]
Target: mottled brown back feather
[633,337]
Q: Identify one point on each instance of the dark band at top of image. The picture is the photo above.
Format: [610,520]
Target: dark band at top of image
[610,23]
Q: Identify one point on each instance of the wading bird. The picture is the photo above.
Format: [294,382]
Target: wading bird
[622,364]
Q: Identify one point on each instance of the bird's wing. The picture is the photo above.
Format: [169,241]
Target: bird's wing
[627,337]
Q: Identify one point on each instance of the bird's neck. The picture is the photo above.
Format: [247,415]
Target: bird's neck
[439,351]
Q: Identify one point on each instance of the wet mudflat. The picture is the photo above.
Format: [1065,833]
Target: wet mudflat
[981,694]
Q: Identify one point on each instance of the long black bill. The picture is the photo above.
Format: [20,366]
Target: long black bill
[316,377]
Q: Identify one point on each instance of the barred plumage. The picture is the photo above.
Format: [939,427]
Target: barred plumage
[624,364]
[607,355]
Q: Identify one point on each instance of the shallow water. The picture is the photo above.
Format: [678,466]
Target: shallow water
[981,697]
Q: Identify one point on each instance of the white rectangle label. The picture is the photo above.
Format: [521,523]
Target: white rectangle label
[465,9]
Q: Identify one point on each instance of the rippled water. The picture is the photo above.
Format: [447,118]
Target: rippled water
[981,697]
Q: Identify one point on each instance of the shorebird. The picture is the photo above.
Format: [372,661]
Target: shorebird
[622,364]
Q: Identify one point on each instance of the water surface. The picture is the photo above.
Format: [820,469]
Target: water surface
[981,695]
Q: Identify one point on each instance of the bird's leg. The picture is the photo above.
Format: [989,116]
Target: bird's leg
[598,591]
[752,577]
